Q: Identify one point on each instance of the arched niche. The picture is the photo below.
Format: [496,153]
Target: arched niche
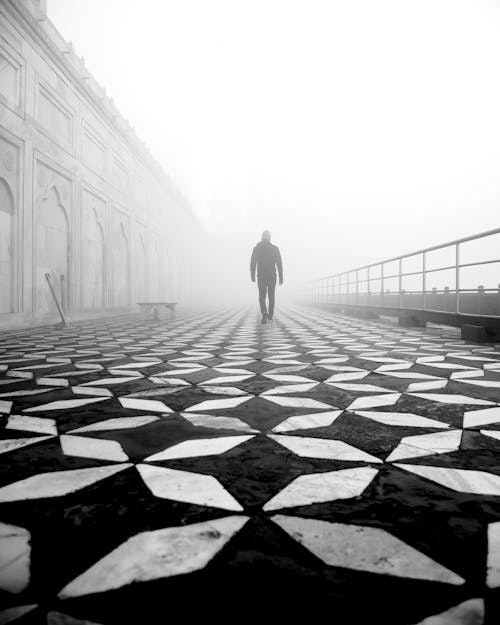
[51,252]
[120,255]
[154,274]
[93,263]
[6,248]
[141,270]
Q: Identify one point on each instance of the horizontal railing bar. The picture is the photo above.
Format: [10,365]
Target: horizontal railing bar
[422,251]
[483,262]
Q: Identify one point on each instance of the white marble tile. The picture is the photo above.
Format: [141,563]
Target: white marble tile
[12,614]
[57,483]
[149,405]
[346,377]
[5,406]
[177,372]
[386,360]
[139,365]
[402,419]
[22,375]
[282,361]
[100,449]
[491,434]
[426,444]
[461,480]
[476,418]
[227,379]
[324,362]
[470,612]
[15,557]
[325,448]
[52,381]
[445,398]
[281,370]
[199,447]
[297,402]
[231,372]
[27,393]
[218,423]
[364,549]
[218,404]
[11,444]
[482,383]
[447,365]
[493,558]
[91,390]
[290,388]
[32,424]
[111,381]
[297,379]
[239,363]
[427,386]
[360,388]
[465,375]
[308,421]
[231,391]
[401,366]
[118,423]
[377,401]
[157,554]
[320,487]
[65,404]
[196,488]
[87,365]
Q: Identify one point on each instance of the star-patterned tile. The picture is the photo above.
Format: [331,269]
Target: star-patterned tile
[352,455]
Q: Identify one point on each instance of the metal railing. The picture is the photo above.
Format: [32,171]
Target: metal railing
[382,284]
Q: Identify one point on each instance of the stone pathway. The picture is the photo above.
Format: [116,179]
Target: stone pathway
[318,463]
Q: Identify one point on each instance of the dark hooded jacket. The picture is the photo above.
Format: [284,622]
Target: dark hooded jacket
[266,258]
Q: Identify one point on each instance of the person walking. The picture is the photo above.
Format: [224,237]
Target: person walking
[266,258]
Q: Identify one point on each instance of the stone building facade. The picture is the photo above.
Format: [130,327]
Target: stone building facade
[81,197]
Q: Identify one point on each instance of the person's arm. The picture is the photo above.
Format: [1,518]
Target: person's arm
[279,264]
[253,264]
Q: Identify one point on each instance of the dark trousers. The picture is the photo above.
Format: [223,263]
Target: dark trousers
[267,286]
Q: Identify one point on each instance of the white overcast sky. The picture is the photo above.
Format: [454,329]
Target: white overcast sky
[353,129]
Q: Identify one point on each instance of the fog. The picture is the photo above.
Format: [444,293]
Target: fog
[354,130]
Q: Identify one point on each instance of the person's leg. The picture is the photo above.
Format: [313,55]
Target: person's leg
[262,284]
[271,287]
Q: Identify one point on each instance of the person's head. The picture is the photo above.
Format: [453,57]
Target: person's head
[266,236]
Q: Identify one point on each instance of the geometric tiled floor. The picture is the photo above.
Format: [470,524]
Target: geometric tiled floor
[210,464]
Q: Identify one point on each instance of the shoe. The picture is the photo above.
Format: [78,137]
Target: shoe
[270,318]
[264,318]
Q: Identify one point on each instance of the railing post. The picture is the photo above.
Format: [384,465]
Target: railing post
[400,281]
[382,284]
[424,279]
[457,277]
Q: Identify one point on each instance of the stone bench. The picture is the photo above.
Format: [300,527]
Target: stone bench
[156,310]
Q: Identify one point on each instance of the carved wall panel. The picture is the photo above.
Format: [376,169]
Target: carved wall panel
[94,152]
[10,78]
[54,117]
[119,176]
[52,238]
[120,261]
[9,202]
[154,273]
[93,252]
[6,247]
[141,270]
